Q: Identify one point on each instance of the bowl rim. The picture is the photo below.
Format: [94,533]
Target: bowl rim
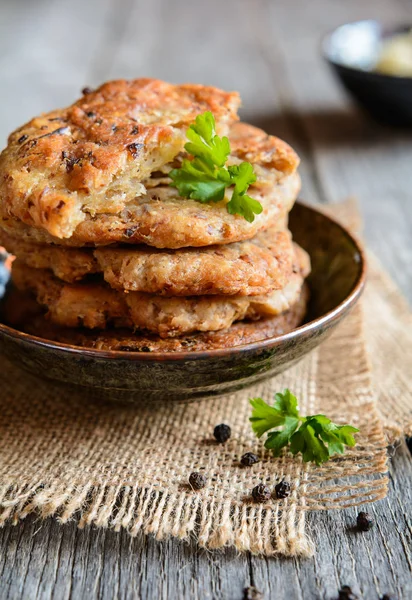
[371,74]
[138,356]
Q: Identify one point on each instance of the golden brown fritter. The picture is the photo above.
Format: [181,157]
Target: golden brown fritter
[89,174]
[96,305]
[163,219]
[68,264]
[25,315]
[92,156]
[272,157]
[246,268]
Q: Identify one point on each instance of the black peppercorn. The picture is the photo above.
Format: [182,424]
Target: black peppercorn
[22,139]
[249,459]
[222,433]
[364,521]
[282,489]
[197,481]
[388,597]
[87,90]
[261,493]
[252,593]
[345,593]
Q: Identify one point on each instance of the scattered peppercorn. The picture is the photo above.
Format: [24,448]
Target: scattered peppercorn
[345,593]
[249,459]
[197,481]
[135,130]
[222,433]
[282,489]
[91,114]
[87,90]
[252,593]
[22,139]
[388,597]
[261,493]
[364,521]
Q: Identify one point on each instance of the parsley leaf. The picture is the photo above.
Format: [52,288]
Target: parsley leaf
[205,177]
[315,437]
[204,143]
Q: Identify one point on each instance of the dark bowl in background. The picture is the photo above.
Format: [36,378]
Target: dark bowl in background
[336,283]
[353,50]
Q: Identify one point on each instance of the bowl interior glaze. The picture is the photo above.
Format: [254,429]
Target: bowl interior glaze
[336,283]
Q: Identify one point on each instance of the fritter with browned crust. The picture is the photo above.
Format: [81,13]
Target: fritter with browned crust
[96,173]
[163,219]
[96,305]
[92,157]
[30,320]
[253,267]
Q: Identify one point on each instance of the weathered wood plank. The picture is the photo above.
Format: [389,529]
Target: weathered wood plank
[45,560]
[350,155]
[46,54]
[372,563]
[107,565]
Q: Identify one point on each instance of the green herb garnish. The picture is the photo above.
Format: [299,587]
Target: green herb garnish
[315,437]
[206,177]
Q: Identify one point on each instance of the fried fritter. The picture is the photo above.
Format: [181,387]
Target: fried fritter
[41,204]
[272,157]
[93,156]
[96,305]
[246,268]
[30,320]
[163,219]
[68,264]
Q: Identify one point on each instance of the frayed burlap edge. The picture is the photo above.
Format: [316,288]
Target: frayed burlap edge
[213,525]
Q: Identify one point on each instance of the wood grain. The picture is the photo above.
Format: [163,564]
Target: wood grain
[269,51]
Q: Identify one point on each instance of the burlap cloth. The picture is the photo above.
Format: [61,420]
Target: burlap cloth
[117,466]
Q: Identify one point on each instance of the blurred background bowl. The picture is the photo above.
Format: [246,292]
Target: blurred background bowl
[353,51]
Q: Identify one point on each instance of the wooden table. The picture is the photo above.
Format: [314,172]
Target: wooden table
[269,51]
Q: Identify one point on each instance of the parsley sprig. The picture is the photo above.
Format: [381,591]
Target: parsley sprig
[315,437]
[206,177]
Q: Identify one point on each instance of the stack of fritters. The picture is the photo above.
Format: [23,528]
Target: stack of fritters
[115,257]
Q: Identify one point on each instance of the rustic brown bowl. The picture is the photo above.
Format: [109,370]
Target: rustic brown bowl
[336,283]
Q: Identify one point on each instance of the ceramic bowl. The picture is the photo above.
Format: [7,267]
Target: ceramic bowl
[336,283]
[353,50]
